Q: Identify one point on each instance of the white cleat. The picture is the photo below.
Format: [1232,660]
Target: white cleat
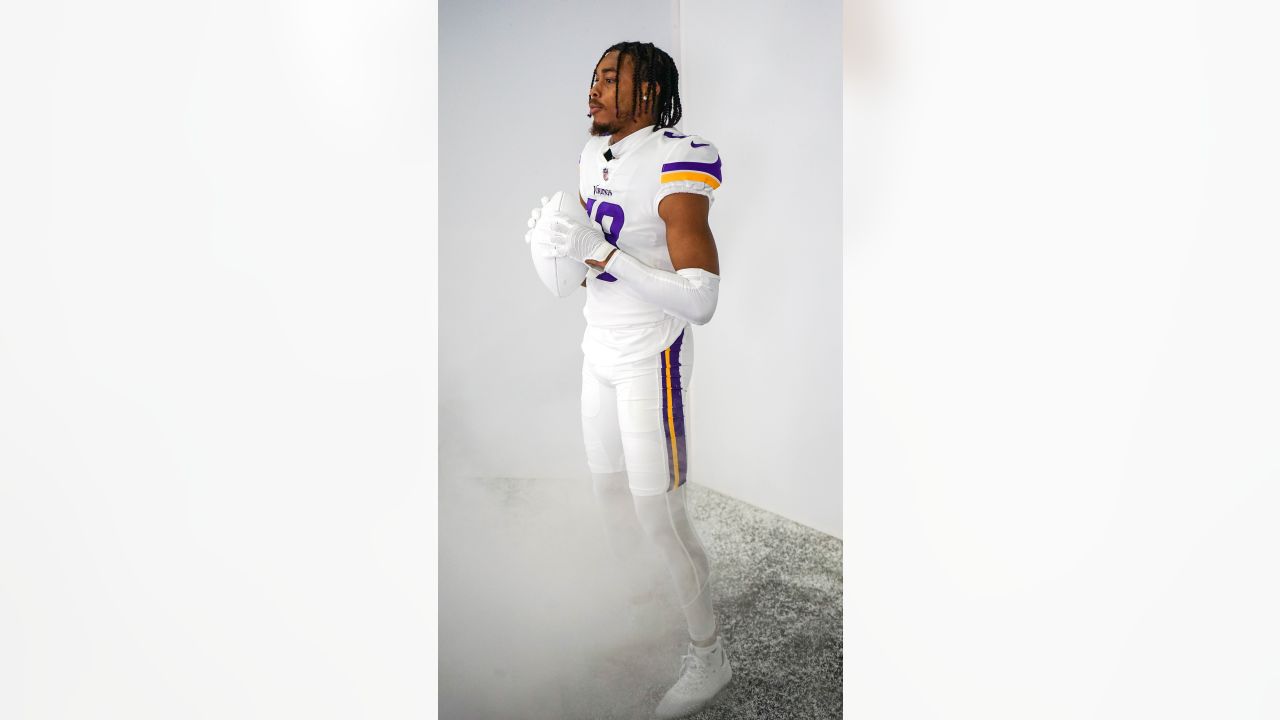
[702,676]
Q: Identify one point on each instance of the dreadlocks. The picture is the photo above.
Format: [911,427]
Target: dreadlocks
[651,65]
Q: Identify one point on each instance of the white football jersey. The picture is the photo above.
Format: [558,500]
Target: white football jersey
[622,196]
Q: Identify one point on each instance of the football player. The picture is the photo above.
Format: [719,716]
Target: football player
[639,239]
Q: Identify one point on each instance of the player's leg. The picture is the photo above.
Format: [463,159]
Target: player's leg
[656,451]
[603,441]
[652,406]
[665,520]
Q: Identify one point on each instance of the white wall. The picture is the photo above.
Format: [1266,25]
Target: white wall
[762,80]
[513,88]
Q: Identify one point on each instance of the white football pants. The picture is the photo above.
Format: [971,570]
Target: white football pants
[633,423]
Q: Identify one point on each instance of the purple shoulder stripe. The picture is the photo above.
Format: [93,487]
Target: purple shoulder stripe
[712,169]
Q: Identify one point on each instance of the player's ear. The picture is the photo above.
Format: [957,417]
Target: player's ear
[649,91]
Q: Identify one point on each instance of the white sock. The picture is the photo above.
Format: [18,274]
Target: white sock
[666,520]
[626,537]
[711,652]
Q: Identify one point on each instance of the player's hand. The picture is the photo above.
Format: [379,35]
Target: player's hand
[598,265]
[576,239]
[539,235]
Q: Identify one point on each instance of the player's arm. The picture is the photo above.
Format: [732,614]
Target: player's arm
[691,292]
[689,239]
[690,174]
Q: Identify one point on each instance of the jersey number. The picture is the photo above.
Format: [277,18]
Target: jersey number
[601,211]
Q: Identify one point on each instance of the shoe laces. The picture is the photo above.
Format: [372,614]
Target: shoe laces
[693,669]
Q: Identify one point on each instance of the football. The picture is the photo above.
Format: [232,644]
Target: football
[561,274]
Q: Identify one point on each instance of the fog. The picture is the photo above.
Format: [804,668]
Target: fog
[536,617]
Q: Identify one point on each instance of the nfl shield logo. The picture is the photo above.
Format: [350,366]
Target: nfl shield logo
[606,173]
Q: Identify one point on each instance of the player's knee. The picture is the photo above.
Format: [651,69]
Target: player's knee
[651,509]
[610,484]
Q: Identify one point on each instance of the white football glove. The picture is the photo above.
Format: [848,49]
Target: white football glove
[562,229]
[561,274]
[538,236]
[578,239]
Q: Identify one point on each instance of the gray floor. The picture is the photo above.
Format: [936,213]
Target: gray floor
[535,620]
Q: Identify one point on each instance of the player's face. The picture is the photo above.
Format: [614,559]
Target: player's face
[610,85]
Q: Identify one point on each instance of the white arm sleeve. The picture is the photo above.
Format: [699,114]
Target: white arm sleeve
[689,294]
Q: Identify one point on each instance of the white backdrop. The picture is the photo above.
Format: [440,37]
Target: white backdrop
[766,383]
[1063,400]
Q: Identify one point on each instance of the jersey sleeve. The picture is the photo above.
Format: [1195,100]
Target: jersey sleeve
[692,165]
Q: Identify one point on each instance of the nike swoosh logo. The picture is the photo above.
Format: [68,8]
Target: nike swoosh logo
[694,144]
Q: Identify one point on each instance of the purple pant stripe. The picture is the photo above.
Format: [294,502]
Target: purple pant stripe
[678,398]
[676,415]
